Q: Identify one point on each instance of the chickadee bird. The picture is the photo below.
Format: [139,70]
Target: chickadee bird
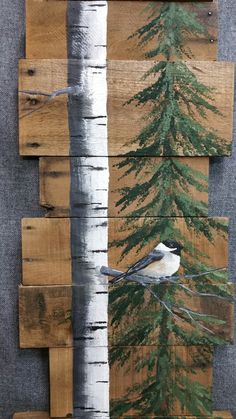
[163,261]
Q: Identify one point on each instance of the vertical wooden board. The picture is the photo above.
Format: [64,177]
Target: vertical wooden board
[45,316]
[61,382]
[125,79]
[126,17]
[86,176]
[127,377]
[46,29]
[46,251]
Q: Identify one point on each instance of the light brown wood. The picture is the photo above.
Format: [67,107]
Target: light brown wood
[46,251]
[31,415]
[122,24]
[61,382]
[46,131]
[221,310]
[45,316]
[124,377]
[56,178]
[125,79]
[46,29]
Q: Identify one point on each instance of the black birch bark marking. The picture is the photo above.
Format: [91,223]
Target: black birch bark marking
[86,33]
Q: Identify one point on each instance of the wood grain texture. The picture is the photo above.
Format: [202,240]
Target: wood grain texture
[126,78]
[61,382]
[124,377]
[31,415]
[55,180]
[46,131]
[47,247]
[122,24]
[46,253]
[46,29]
[58,174]
[222,310]
[45,316]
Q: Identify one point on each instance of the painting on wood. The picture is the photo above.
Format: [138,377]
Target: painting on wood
[181,311]
[67,29]
[78,186]
[175,108]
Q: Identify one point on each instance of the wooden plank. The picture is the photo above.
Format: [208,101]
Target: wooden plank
[31,415]
[64,29]
[46,252]
[85,176]
[61,382]
[40,260]
[122,24]
[46,131]
[144,314]
[45,316]
[129,376]
[51,27]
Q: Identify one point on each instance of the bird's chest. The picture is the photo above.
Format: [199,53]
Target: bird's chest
[165,267]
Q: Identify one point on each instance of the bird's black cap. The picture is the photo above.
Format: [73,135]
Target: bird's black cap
[173,244]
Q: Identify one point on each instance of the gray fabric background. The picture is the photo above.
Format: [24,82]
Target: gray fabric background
[24,373]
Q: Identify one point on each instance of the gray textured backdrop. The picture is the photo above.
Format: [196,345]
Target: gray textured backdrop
[24,374]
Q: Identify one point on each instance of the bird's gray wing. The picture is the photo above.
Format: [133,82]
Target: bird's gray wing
[154,256]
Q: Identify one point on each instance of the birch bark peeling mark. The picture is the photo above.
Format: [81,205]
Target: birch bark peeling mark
[58,174]
[46,131]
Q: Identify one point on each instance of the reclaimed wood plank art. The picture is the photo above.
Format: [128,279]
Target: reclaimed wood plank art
[202,113]
[75,186]
[121,142]
[47,37]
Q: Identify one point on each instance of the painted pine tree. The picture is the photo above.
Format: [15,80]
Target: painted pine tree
[179,106]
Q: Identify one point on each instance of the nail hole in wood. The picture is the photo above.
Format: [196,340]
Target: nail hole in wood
[31,72]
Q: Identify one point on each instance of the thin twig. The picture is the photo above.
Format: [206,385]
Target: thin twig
[70,90]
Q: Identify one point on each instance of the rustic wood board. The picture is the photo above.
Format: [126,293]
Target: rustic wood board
[122,378]
[61,382]
[122,24]
[51,129]
[45,316]
[92,253]
[47,240]
[144,314]
[75,186]
[53,27]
